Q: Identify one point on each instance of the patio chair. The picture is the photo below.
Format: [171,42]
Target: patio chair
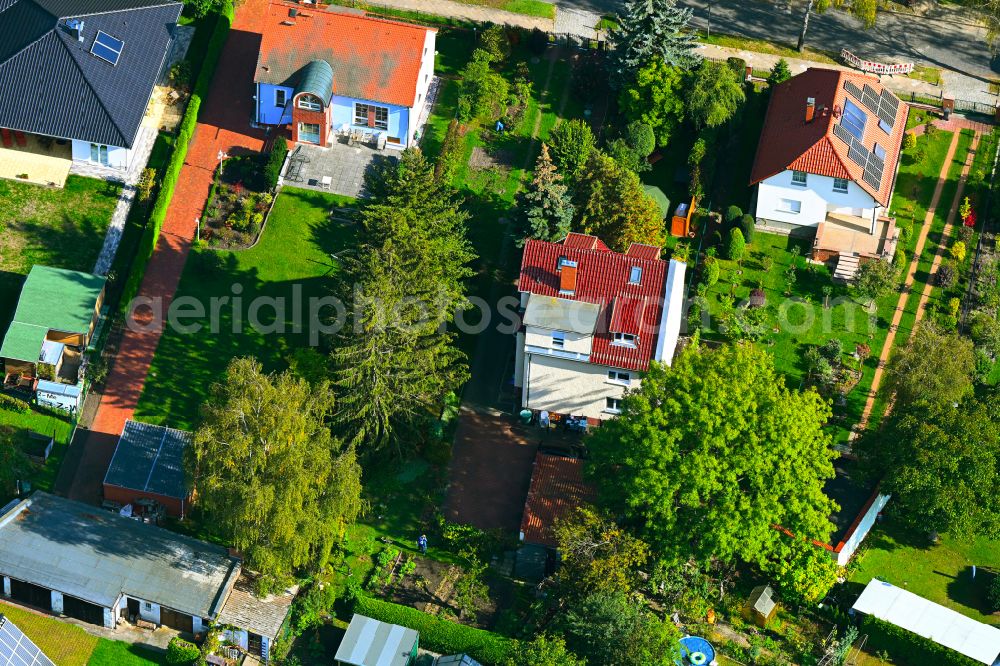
[173,97]
[8,139]
[22,140]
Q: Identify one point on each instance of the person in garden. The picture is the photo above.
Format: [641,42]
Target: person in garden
[422,544]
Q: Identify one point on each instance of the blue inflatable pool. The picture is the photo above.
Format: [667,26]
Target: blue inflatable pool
[696,651]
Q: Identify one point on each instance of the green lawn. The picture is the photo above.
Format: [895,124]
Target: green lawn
[119,653]
[42,477]
[941,573]
[45,225]
[293,254]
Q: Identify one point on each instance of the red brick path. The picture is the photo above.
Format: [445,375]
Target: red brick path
[224,126]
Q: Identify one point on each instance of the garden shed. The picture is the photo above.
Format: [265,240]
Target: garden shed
[148,463]
[369,642]
[761,605]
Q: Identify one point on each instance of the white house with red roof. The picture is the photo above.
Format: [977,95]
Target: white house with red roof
[324,70]
[830,145]
[592,321]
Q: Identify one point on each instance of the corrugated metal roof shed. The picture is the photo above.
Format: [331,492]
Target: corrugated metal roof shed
[261,615]
[369,642]
[23,342]
[932,621]
[16,649]
[97,555]
[557,488]
[150,458]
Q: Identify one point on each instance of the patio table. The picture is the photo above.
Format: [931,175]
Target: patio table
[325,182]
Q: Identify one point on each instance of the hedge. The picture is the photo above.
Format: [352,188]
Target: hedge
[13,404]
[147,244]
[909,648]
[438,635]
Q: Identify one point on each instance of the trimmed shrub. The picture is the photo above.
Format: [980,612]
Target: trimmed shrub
[905,647]
[748,224]
[147,244]
[179,651]
[737,248]
[733,213]
[13,404]
[452,153]
[711,272]
[275,160]
[739,67]
[440,635]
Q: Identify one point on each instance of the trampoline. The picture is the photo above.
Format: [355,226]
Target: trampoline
[696,651]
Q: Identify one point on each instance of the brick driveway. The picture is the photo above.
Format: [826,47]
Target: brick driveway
[490,470]
[224,126]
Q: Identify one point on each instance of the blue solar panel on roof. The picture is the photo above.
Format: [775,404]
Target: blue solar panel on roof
[854,119]
[107,47]
[17,649]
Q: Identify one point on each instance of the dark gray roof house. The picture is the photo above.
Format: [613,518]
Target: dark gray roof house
[82,69]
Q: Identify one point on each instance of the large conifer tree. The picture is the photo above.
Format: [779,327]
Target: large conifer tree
[650,28]
[545,205]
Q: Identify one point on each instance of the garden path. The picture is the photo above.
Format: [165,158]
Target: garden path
[466,12]
[904,296]
[939,254]
[223,128]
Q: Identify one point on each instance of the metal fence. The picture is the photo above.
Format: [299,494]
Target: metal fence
[975,107]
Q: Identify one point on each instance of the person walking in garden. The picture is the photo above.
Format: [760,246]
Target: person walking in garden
[422,544]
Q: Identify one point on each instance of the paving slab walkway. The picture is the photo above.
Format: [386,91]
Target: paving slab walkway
[224,127]
[460,10]
[904,296]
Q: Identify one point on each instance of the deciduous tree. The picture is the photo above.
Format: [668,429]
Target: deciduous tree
[597,554]
[545,205]
[806,575]
[714,95]
[616,628]
[651,29]
[864,10]
[268,473]
[544,651]
[874,280]
[935,367]
[654,97]
[941,462]
[612,205]
[711,453]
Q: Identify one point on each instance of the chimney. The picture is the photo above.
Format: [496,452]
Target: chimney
[810,108]
[75,27]
[567,278]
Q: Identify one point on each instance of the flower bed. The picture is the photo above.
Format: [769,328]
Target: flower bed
[237,204]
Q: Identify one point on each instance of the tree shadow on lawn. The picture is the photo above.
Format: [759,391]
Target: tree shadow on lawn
[972,593]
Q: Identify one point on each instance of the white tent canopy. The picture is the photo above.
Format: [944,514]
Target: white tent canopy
[932,621]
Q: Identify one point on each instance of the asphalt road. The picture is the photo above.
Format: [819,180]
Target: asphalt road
[940,41]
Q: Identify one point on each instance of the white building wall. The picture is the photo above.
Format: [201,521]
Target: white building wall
[6,586]
[423,83]
[149,611]
[570,387]
[573,343]
[817,198]
[109,619]
[118,158]
[57,601]
[861,531]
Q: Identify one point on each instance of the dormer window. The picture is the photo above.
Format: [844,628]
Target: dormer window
[559,263]
[567,278]
[310,103]
[635,275]
[624,339]
[558,340]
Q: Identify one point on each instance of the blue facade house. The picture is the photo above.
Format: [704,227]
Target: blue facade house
[333,72]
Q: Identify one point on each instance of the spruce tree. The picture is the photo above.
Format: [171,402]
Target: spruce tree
[545,206]
[647,29]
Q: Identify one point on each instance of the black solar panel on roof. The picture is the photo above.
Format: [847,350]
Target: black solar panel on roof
[852,87]
[857,154]
[872,164]
[884,105]
[873,177]
[870,98]
[16,649]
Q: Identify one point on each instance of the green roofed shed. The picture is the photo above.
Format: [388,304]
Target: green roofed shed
[59,299]
[23,342]
[657,195]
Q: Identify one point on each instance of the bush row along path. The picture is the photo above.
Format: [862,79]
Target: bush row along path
[223,127]
[955,125]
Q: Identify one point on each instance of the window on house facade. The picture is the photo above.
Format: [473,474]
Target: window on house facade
[618,377]
[885,127]
[789,206]
[840,184]
[799,178]
[613,405]
[624,339]
[558,340]
[635,275]
[147,606]
[99,154]
[280,97]
[310,103]
[369,115]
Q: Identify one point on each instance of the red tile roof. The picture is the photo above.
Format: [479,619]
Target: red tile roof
[557,487]
[789,142]
[372,59]
[603,278]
